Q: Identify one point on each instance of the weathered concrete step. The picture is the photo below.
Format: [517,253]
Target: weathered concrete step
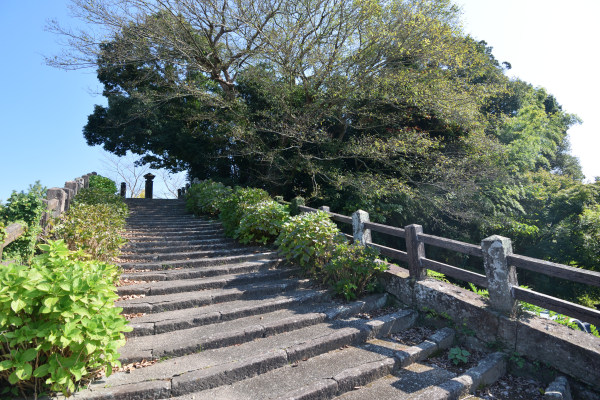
[178,227]
[177,301]
[221,334]
[337,372]
[204,283]
[205,271]
[215,252]
[174,235]
[208,261]
[212,368]
[168,321]
[219,244]
[135,246]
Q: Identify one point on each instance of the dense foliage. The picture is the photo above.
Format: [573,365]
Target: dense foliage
[385,106]
[102,183]
[58,324]
[261,222]
[95,221]
[234,206]
[311,240]
[351,270]
[26,208]
[205,197]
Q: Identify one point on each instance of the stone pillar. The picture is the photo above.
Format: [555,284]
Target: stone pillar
[80,184]
[123,191]
[70,194]
[86,180]
[179,195]
[325,208]
[71,185]
[415,250]
[149,185]
[296,201]
[360,234]
[57,201]
[500,276]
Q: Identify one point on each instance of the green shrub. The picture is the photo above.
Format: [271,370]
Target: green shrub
[26,208]
[206,197]
[234,207]
[96,229]
[262,222]
[97,195]
[351,270]
[106,184]
[58,325]
[308,239]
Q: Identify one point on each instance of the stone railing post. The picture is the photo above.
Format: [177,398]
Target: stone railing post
[149,185]
[500,276]
[123,191]
[325,208]
[179,194]
[57,201]
[416,251]
[73,186]
[296,201]
[359,233]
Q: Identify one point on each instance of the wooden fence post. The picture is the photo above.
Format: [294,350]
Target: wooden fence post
[415,250]
[500,276]
[359,233]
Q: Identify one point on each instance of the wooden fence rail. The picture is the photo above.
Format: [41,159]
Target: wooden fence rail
[498,261]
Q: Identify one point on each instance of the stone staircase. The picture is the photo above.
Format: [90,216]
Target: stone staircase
[227,321]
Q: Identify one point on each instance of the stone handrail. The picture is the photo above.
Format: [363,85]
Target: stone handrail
[499,264]
[57,201]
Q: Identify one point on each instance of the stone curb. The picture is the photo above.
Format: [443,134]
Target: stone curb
[440,340]
[558,389]
[488,371]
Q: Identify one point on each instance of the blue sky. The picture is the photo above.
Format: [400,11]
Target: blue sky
[549,43]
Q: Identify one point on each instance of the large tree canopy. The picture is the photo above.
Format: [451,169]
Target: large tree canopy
[384,105]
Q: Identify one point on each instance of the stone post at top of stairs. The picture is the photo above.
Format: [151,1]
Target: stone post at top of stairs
[149,185]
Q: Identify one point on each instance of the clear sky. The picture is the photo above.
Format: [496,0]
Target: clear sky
[550,43]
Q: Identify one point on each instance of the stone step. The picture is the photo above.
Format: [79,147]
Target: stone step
[232,248]
[221,334]
[257,265]
[202,234]
[127,250]
[178,301]
[169,321]
[177,226]
[135,246]
[209,261]
[204,283]
[223,366]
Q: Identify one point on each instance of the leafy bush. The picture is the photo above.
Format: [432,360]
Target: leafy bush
[351,270]
[97,195]
[58,325]
[235,205]
[261,222]
[26,208]
[101,182]
[206,197]
[308,239]
[95,229]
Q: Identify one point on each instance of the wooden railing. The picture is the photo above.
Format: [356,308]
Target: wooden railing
[498,261]
[57,201]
